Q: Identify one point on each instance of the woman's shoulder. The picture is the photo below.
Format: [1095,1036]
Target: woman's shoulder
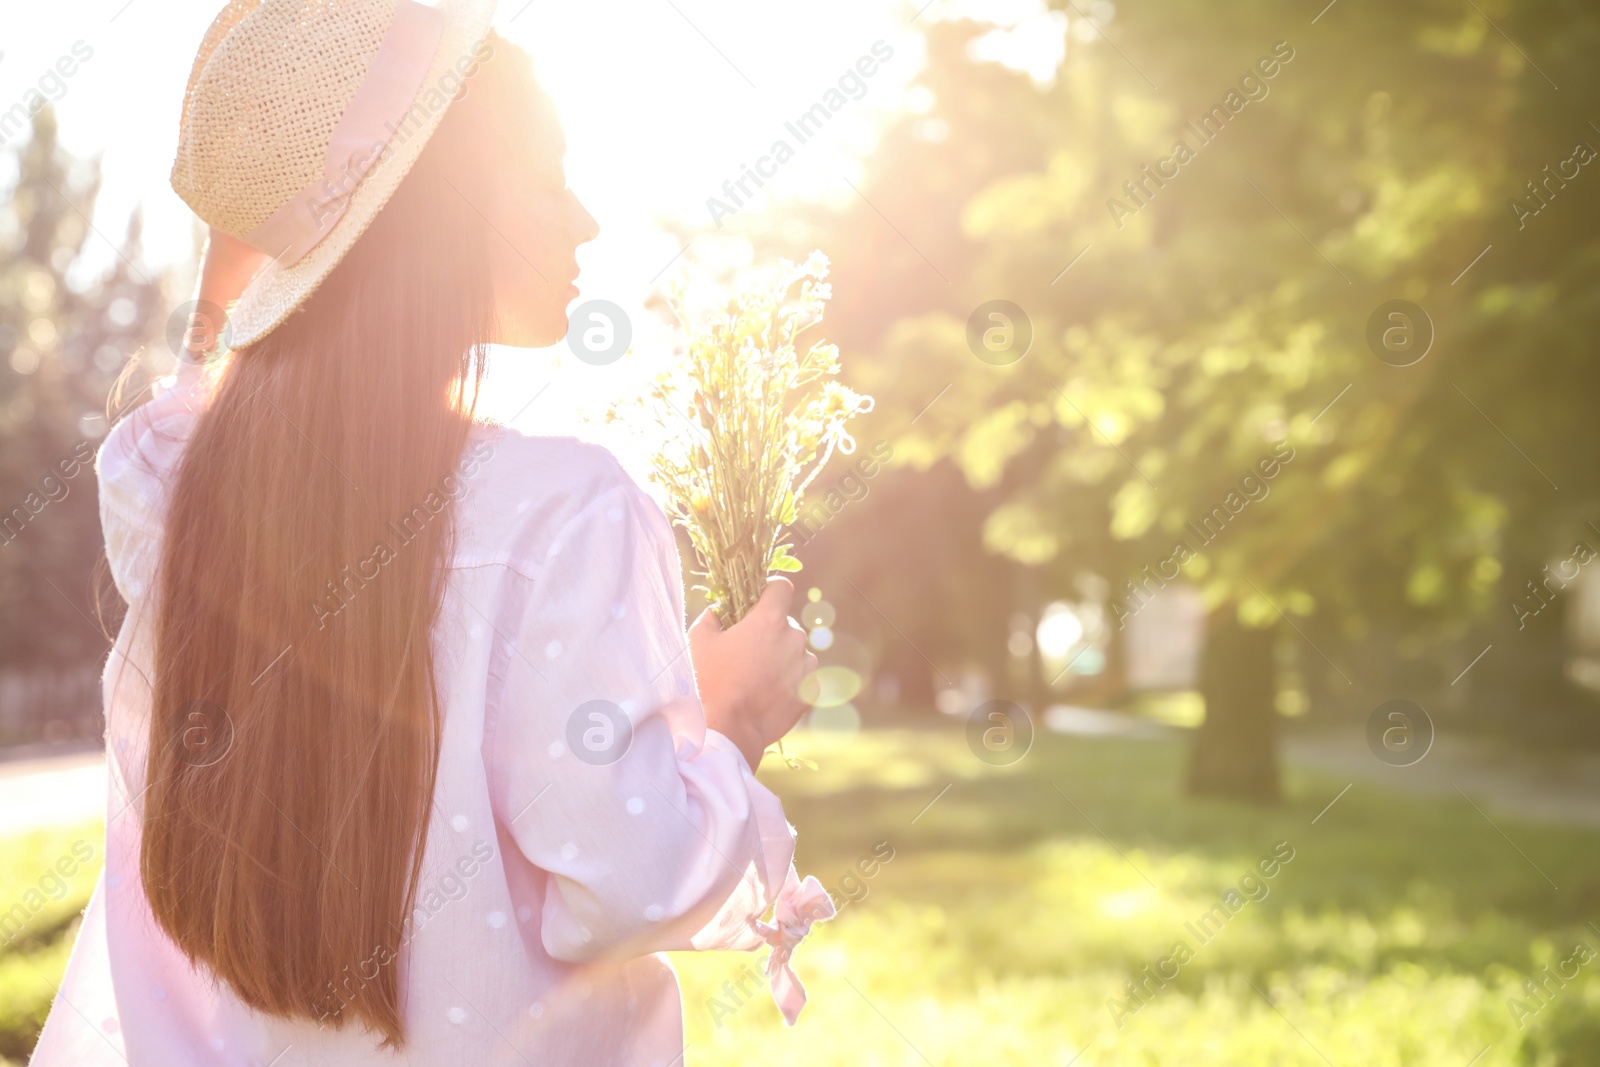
[519,491]
[145,444]
[133,467]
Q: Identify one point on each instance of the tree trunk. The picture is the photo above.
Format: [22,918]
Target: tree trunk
[1235,752]
[1035,689]
[1521,689]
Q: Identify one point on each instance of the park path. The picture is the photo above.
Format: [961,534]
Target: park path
[1549,787]
[44,788]
[41,788]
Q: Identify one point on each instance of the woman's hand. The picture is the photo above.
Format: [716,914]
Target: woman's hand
[749,674]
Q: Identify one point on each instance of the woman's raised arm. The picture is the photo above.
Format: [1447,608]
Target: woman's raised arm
[226,267]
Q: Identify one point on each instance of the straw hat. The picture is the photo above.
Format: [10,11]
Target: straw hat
[300,120]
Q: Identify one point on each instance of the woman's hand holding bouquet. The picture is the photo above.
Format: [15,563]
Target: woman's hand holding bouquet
[750,673]
[748,420]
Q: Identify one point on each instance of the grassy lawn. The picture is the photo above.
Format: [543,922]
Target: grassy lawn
[1010,918]
[1012,915]
[39,908]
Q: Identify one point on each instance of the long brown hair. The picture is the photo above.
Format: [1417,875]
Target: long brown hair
[295,726]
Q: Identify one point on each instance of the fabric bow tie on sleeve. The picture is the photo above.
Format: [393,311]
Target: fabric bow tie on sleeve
[799,905]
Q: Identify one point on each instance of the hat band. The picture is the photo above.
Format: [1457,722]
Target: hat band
[361,136]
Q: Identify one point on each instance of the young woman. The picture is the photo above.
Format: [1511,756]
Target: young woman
[412,759]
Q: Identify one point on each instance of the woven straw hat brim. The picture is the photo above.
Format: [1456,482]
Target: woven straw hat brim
[277,290]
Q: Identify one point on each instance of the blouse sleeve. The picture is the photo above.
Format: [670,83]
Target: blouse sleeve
[652,828]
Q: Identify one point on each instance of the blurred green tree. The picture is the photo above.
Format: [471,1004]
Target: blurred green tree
[64,340]
[1200,395]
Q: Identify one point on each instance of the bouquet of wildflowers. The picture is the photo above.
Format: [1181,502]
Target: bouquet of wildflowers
[749,420]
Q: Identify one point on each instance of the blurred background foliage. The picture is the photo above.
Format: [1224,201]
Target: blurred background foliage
[65,340]
[1176,346]
[1404,550]
[1223,319]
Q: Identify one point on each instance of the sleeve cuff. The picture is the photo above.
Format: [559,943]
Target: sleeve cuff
[777,836]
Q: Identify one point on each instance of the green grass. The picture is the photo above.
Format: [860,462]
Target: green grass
[1006,921]
[34,957]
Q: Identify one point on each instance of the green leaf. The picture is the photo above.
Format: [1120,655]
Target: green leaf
[784,563]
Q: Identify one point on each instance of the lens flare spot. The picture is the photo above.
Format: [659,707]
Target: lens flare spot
[829,687]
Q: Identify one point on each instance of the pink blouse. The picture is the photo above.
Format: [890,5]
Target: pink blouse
[563,856]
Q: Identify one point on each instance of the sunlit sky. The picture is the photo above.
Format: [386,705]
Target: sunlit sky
[663,101]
